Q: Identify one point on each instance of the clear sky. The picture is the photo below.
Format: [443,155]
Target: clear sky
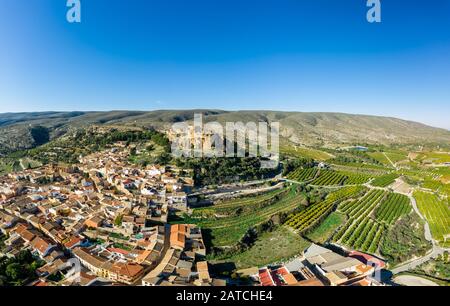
[296,55]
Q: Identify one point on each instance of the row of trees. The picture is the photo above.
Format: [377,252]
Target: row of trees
[213,171]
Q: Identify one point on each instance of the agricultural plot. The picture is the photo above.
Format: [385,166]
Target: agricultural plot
[356,178]
[239,205]
[363,205]
[379,156]
[385,180]
[361,232]
[362,166]
[329,178]
[305,153]
[437,186]
[396,157]
[228,229]
[301,175]
[437,212]
[339,178]
[358,170]
[326,228]
[271,247]
[434,157]
[307,218]
[395,206]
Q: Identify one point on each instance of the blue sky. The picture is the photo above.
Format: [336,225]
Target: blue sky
[294,55]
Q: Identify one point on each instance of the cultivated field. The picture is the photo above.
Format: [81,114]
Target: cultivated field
[301,175]
[271,247]
[226,224]
[309,217]
[385,180]
[437,212]
[369,218]
[326,229]
[305,153]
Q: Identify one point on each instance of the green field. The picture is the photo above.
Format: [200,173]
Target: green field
[305,153]
[271,247]
[434,157]
[395,206]
[437,212]
[385,180]
[379,156]
[396,157]
[227,229]
[326,229]
[329,178]
[309,217]
[361,232]
[355,178]
[301,175]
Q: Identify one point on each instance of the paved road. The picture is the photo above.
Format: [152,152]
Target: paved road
[408,280]
[435,252]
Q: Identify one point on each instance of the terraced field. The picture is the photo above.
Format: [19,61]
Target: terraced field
[305,153]
[329,178]
[385,180]
[301,175]
[395,206]
[239,205]
[361,231]
[437,212]
[309,217]
[379,156]
[355,178]
[434,157]
[227,230]
[396,157]
[338,178]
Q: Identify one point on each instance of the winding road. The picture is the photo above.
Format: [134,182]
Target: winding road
[435,251]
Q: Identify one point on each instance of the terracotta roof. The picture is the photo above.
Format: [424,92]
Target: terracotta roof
[72,242]
[40,244]
[312,282]
[363,282]
[20,228]
[27,235]
[129,270]
[265,278]
[365,258]
[202,266]
[83,254]
[177,239]
[181,228]
[118,250]
[40,284]
[290,279]
[363,269]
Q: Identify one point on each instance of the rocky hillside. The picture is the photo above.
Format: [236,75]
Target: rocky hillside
[26,130]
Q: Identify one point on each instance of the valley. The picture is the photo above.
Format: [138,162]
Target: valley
[388,200]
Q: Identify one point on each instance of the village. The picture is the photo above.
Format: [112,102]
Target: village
[112,217]
[109,215]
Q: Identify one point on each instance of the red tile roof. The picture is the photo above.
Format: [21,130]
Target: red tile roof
[265,278]
[365,258]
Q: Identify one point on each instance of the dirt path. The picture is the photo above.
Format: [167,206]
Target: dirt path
[387,157]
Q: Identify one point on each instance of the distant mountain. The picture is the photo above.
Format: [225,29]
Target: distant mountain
[19,130]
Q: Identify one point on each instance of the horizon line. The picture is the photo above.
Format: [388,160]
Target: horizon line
[223,110]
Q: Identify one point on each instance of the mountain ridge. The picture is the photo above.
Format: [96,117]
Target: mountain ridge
[301,128]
